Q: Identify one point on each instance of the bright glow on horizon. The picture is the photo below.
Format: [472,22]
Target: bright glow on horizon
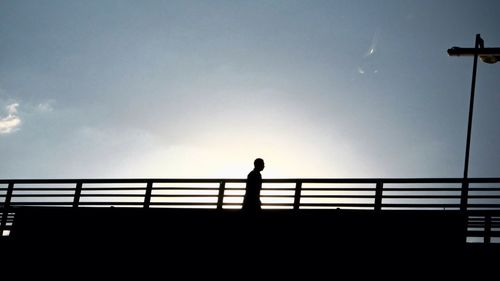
[291,145]
[284,158]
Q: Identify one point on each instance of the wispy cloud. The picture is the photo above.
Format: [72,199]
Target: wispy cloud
[46,106]
[11,122]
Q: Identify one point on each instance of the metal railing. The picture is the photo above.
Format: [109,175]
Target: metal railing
[479,198]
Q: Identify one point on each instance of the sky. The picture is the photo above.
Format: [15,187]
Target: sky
[199,89]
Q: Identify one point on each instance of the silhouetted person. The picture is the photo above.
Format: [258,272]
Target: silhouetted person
[251,201]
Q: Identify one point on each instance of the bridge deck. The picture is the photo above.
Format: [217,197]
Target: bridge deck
[277,231]
[279,240]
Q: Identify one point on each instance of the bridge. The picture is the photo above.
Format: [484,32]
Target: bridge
[445,216]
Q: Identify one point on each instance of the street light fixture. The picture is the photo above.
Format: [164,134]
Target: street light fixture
[487,55]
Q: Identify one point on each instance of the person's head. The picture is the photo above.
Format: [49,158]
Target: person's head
[258,164]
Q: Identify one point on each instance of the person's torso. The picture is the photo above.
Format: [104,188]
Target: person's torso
[254,185]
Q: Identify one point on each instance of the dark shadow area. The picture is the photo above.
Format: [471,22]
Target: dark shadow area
[283,234]
[280,241]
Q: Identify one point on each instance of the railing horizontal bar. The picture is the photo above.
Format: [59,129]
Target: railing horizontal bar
[483,196]
[338,196]
[400,180]
[476,224]
[324,181]
[392,189]
[190,195]
[494,207]
[84,188]
[336,205]
[422,196]
[277,204]
[216,188]
[215,195]
[43,195]
[263,204]
[395,205]
[118,181]
[305,188]
[17,204]
[384,180]
[111,195]
[492,189]
[481,220]
[291,180]
[482,225]
[184,203]
[43,189]
[20,204]
[476,220]
[184,188]
[138,203]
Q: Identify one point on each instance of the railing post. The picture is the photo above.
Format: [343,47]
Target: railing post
[296,198]
[378,196]
[220,196]
[147,194]
[464,195]
[78,193]
[6,207]
[487,229]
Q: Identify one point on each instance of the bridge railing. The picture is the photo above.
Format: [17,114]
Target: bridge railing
[481,202]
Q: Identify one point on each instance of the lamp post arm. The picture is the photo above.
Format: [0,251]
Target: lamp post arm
[457,51]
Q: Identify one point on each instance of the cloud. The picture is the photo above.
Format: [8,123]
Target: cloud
[45,106]
[12,122]
[12,108]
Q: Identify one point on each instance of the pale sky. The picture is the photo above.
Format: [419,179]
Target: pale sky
[189,89]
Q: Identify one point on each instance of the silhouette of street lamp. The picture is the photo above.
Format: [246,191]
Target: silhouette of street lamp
[487,55]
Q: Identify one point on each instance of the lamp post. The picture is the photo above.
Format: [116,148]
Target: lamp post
[487,55]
